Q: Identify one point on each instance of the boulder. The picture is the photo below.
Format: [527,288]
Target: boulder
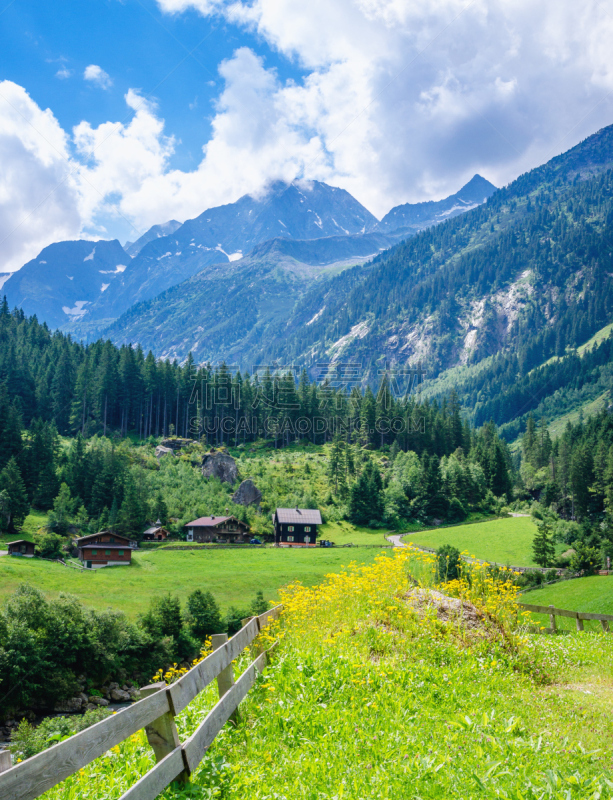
[98,701]
[221,466]
[70,706]
[163,451]
[84,698]
[119,696]
[247,494]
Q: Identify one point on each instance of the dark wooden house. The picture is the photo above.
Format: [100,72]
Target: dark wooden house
[218,529]
[156,533]
[104,549]
[21,548]
[296,527]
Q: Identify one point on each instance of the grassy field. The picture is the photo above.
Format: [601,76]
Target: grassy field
[233,576]
[33,522]
[505,541]
[593,595]
[369,700]
[346,533]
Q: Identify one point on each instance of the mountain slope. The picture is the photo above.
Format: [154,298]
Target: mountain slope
[305,210]
[518,279]
[228,311]
[416,216]
[155,232]
[65,279]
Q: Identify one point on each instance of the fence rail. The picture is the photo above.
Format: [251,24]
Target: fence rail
[155,713]
[579,616]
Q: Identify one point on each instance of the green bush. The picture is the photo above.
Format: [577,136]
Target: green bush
[28,740]
[586,559]
[447,563]
[48,545]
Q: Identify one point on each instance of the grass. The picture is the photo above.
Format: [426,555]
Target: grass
[232,576]
[593,595]
[369,700]
[504,541]
[34,521]
[345,533]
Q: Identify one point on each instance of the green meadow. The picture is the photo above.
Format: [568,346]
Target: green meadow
[233,576]
[593,595]
[504,541]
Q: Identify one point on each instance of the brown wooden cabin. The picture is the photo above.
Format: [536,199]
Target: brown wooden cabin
[156,533]
[296,527]
[21,547]
[218,529]
[104,549]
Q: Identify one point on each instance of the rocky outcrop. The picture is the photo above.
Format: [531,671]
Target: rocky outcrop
[160,451]
[176,442]
[247,494]
[220,465]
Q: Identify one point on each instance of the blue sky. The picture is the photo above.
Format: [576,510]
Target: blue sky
[108,125]
[172,58]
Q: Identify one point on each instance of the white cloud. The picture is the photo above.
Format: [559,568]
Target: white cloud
[63,73]
[39,203]
[402,100]
[97,75]
[410,97]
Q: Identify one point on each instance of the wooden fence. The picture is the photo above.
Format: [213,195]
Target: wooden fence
[579,616]
[155,713]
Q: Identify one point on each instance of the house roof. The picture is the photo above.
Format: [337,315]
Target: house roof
[155,528]
[209,522]
[85,539]
[20,541]
[307,516]
[105,546]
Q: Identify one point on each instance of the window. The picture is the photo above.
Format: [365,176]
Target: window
[307,539]
[120,552]
[94,552]
[307,529]
[290,528]
[290,538]
[190,536]
[107,552]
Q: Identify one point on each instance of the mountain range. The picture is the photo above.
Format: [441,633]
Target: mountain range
[503,296]
[84,287]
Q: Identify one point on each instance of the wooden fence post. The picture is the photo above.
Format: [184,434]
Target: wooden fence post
[579,623]
[5,760]
[162,733]
[552,619]
[605,625]
[225,679]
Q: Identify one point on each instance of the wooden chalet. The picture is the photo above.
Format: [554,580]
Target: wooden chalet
[21,547]
[105,549]
[218,529]
[156,533]
[296,527]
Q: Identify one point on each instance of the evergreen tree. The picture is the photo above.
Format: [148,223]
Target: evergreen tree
[202,614]
[132,518]
[63,509]
[542,545]
[15,505]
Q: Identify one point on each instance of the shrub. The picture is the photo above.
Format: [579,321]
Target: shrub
[586,559]
[48,545]
[28,740]
[447,563]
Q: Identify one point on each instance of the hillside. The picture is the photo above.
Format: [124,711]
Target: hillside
[387,696]
[246,303]
[66,279]
[519,279]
